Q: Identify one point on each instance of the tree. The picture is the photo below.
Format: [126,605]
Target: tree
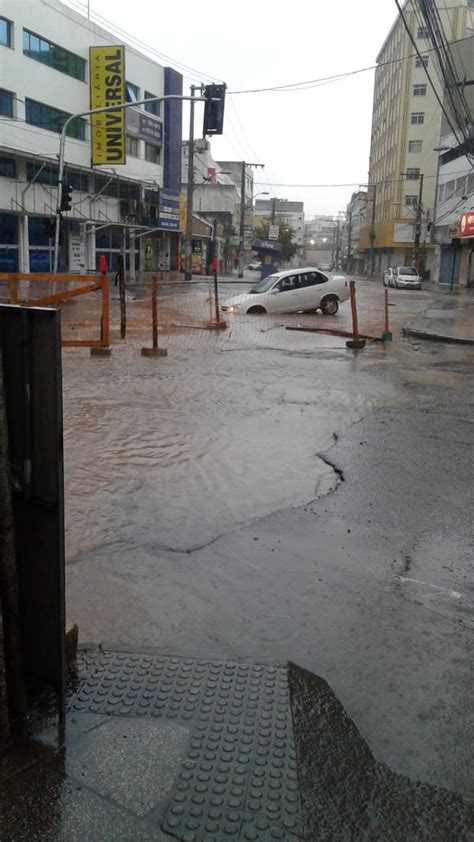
[285,238]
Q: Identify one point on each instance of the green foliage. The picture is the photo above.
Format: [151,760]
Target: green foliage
[285,238]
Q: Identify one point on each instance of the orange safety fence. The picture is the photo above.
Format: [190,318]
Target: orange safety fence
[48,290]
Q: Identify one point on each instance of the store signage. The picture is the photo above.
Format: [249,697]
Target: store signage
[273,232]
[107,87]
[169,210]
[467,225]
[453,230]
[143,126]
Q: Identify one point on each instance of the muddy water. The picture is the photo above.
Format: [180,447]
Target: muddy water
[172,453]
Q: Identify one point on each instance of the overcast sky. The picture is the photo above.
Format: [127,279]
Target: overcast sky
[315,136]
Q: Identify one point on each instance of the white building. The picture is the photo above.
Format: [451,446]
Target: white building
[130,209]
[455,196]
[215,195]
[406,122]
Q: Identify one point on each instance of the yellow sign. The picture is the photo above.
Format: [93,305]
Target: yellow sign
[107,87]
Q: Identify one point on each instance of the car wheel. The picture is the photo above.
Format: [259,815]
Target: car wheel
[329,305]
[256,311]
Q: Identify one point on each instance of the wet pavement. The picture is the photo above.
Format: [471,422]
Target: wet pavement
[269,495]
[448,318]
[164,748]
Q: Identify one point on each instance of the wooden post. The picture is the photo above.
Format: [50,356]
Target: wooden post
[123,306]
[154,313]
[13,291]
[387,335]
[154,351]
[356,341]
[105,311]
[355,323]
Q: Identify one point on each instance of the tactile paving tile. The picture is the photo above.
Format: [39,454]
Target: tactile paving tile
[239,778]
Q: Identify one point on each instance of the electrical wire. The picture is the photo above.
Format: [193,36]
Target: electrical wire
[197,76]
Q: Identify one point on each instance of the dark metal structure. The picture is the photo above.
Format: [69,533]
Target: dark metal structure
[30,344]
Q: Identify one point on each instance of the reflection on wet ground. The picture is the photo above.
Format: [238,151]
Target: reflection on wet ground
[200,517]
[160,748]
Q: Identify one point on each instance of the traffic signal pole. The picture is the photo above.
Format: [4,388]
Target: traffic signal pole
[188,256]
[62,147]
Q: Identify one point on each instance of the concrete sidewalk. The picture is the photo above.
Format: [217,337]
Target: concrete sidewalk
[449,318]
[162,748]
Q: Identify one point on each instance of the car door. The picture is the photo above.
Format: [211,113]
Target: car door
[315,286]
[284,296]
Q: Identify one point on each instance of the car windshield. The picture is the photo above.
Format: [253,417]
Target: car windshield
[264,286]
[405,270]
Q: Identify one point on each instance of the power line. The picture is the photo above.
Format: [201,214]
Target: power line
[350,183]
[309,83]
[132,40]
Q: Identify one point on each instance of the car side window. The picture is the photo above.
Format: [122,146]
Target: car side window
[320,279]
[289,283]
[308,279]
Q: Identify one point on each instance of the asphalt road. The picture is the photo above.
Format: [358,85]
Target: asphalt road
[268,494]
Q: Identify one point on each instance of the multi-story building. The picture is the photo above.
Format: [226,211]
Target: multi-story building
[405,132]
[453,229]
[356,217]
[131,209]
[216,198]
[287,214]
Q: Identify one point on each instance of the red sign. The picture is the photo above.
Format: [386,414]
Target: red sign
[211,174]
[467,225]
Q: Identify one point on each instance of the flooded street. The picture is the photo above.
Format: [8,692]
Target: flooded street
[266,493]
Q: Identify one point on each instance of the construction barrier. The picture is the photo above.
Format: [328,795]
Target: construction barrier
[21,288]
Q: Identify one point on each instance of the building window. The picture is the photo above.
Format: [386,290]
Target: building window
[7,167]
[450,189]
[6,103]
[152,153]
[415,145]
[56,57]
[131,146]
[411,201]
[132,92]
[423,32]
[419,90]
[421,61]
[441,193]
[152,107]
[460,185]
[417,118]
[5,32]
[52,119]
[412,173]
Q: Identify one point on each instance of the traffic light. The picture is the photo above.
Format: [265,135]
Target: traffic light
[214,109]
[66,198]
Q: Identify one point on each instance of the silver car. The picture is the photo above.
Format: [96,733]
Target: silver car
[402,277]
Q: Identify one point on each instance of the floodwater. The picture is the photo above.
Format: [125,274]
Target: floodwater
[201,518]
[173,452]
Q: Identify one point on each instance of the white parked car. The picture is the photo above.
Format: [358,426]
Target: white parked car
[292,291]
[402,277]
[255,266]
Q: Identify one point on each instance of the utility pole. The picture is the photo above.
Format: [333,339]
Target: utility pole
[273,209]
[188,257]
[242,215]
[349,238]
[372,233]
[337,246]
[419,214]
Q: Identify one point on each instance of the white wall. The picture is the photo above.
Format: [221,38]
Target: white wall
[27,77]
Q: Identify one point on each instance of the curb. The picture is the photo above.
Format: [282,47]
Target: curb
[436,337]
